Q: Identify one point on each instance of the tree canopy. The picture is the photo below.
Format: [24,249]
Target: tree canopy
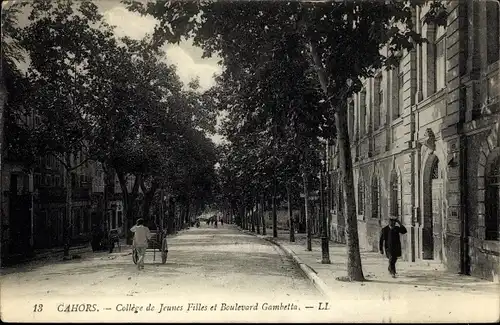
[344,42]
[111,100]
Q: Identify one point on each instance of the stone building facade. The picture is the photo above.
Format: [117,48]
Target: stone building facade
[426,145]
[34,204]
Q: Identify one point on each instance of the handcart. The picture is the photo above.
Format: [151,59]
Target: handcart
[158,242]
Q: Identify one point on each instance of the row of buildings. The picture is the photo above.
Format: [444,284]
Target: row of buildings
[34,204]
[425,143]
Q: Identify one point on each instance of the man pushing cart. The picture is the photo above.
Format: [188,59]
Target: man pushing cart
[144,239]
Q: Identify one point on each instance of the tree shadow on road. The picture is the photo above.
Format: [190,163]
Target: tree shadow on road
[441,280]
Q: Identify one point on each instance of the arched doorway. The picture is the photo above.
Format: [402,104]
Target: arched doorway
[432,232]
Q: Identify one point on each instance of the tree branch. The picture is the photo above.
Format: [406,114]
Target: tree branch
[80,164]
[123,184]
[62,161]
[320,70]
[137,182]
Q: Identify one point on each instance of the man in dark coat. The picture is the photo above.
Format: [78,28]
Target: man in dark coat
[390,241]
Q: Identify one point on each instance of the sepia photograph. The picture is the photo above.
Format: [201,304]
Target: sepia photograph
[244,161]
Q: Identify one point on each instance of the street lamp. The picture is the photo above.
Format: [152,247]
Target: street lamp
[325,250]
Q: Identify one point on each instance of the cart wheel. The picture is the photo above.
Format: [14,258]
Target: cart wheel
[164,257]
[135,256]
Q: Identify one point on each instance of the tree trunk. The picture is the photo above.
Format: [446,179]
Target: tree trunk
[148,200]
[129,200]
[262,215]
[354,267]
[248,222]
[171,216]
[178,216]
[306,210]
[187,213]
[104,215]
[329,203]
[242,215]
[67,220]
[325,248]
[275,216]
[162,211]
[245,224]
[257,214]
[3,221]
[252,216]
[290,214]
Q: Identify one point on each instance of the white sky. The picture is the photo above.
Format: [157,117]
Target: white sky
[185,56]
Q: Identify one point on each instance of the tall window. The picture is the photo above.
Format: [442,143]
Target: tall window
[341,200]
[350,115]
[334,201]
[492,89]
[361,195]
[399,107]
[76,221]
[492,21]
[37,179]
[377,112]
[363,113]
[493,201]
[395,204]
[375,197]
[381,107]
[440,63]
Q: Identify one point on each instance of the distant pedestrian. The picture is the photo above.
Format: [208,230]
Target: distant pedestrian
[222,222]
[391,243]
[140,243]
[215,221]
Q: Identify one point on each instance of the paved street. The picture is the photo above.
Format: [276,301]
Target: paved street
[204,264]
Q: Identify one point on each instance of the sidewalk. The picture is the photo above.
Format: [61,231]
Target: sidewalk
[41,254]
[422,291]
[82,252]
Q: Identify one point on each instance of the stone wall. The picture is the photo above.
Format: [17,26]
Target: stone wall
[484,254]
[484,258]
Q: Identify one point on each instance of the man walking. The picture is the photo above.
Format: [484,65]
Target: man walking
[140,244]
[390,241]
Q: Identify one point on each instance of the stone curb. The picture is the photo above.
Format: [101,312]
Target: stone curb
[308,271]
